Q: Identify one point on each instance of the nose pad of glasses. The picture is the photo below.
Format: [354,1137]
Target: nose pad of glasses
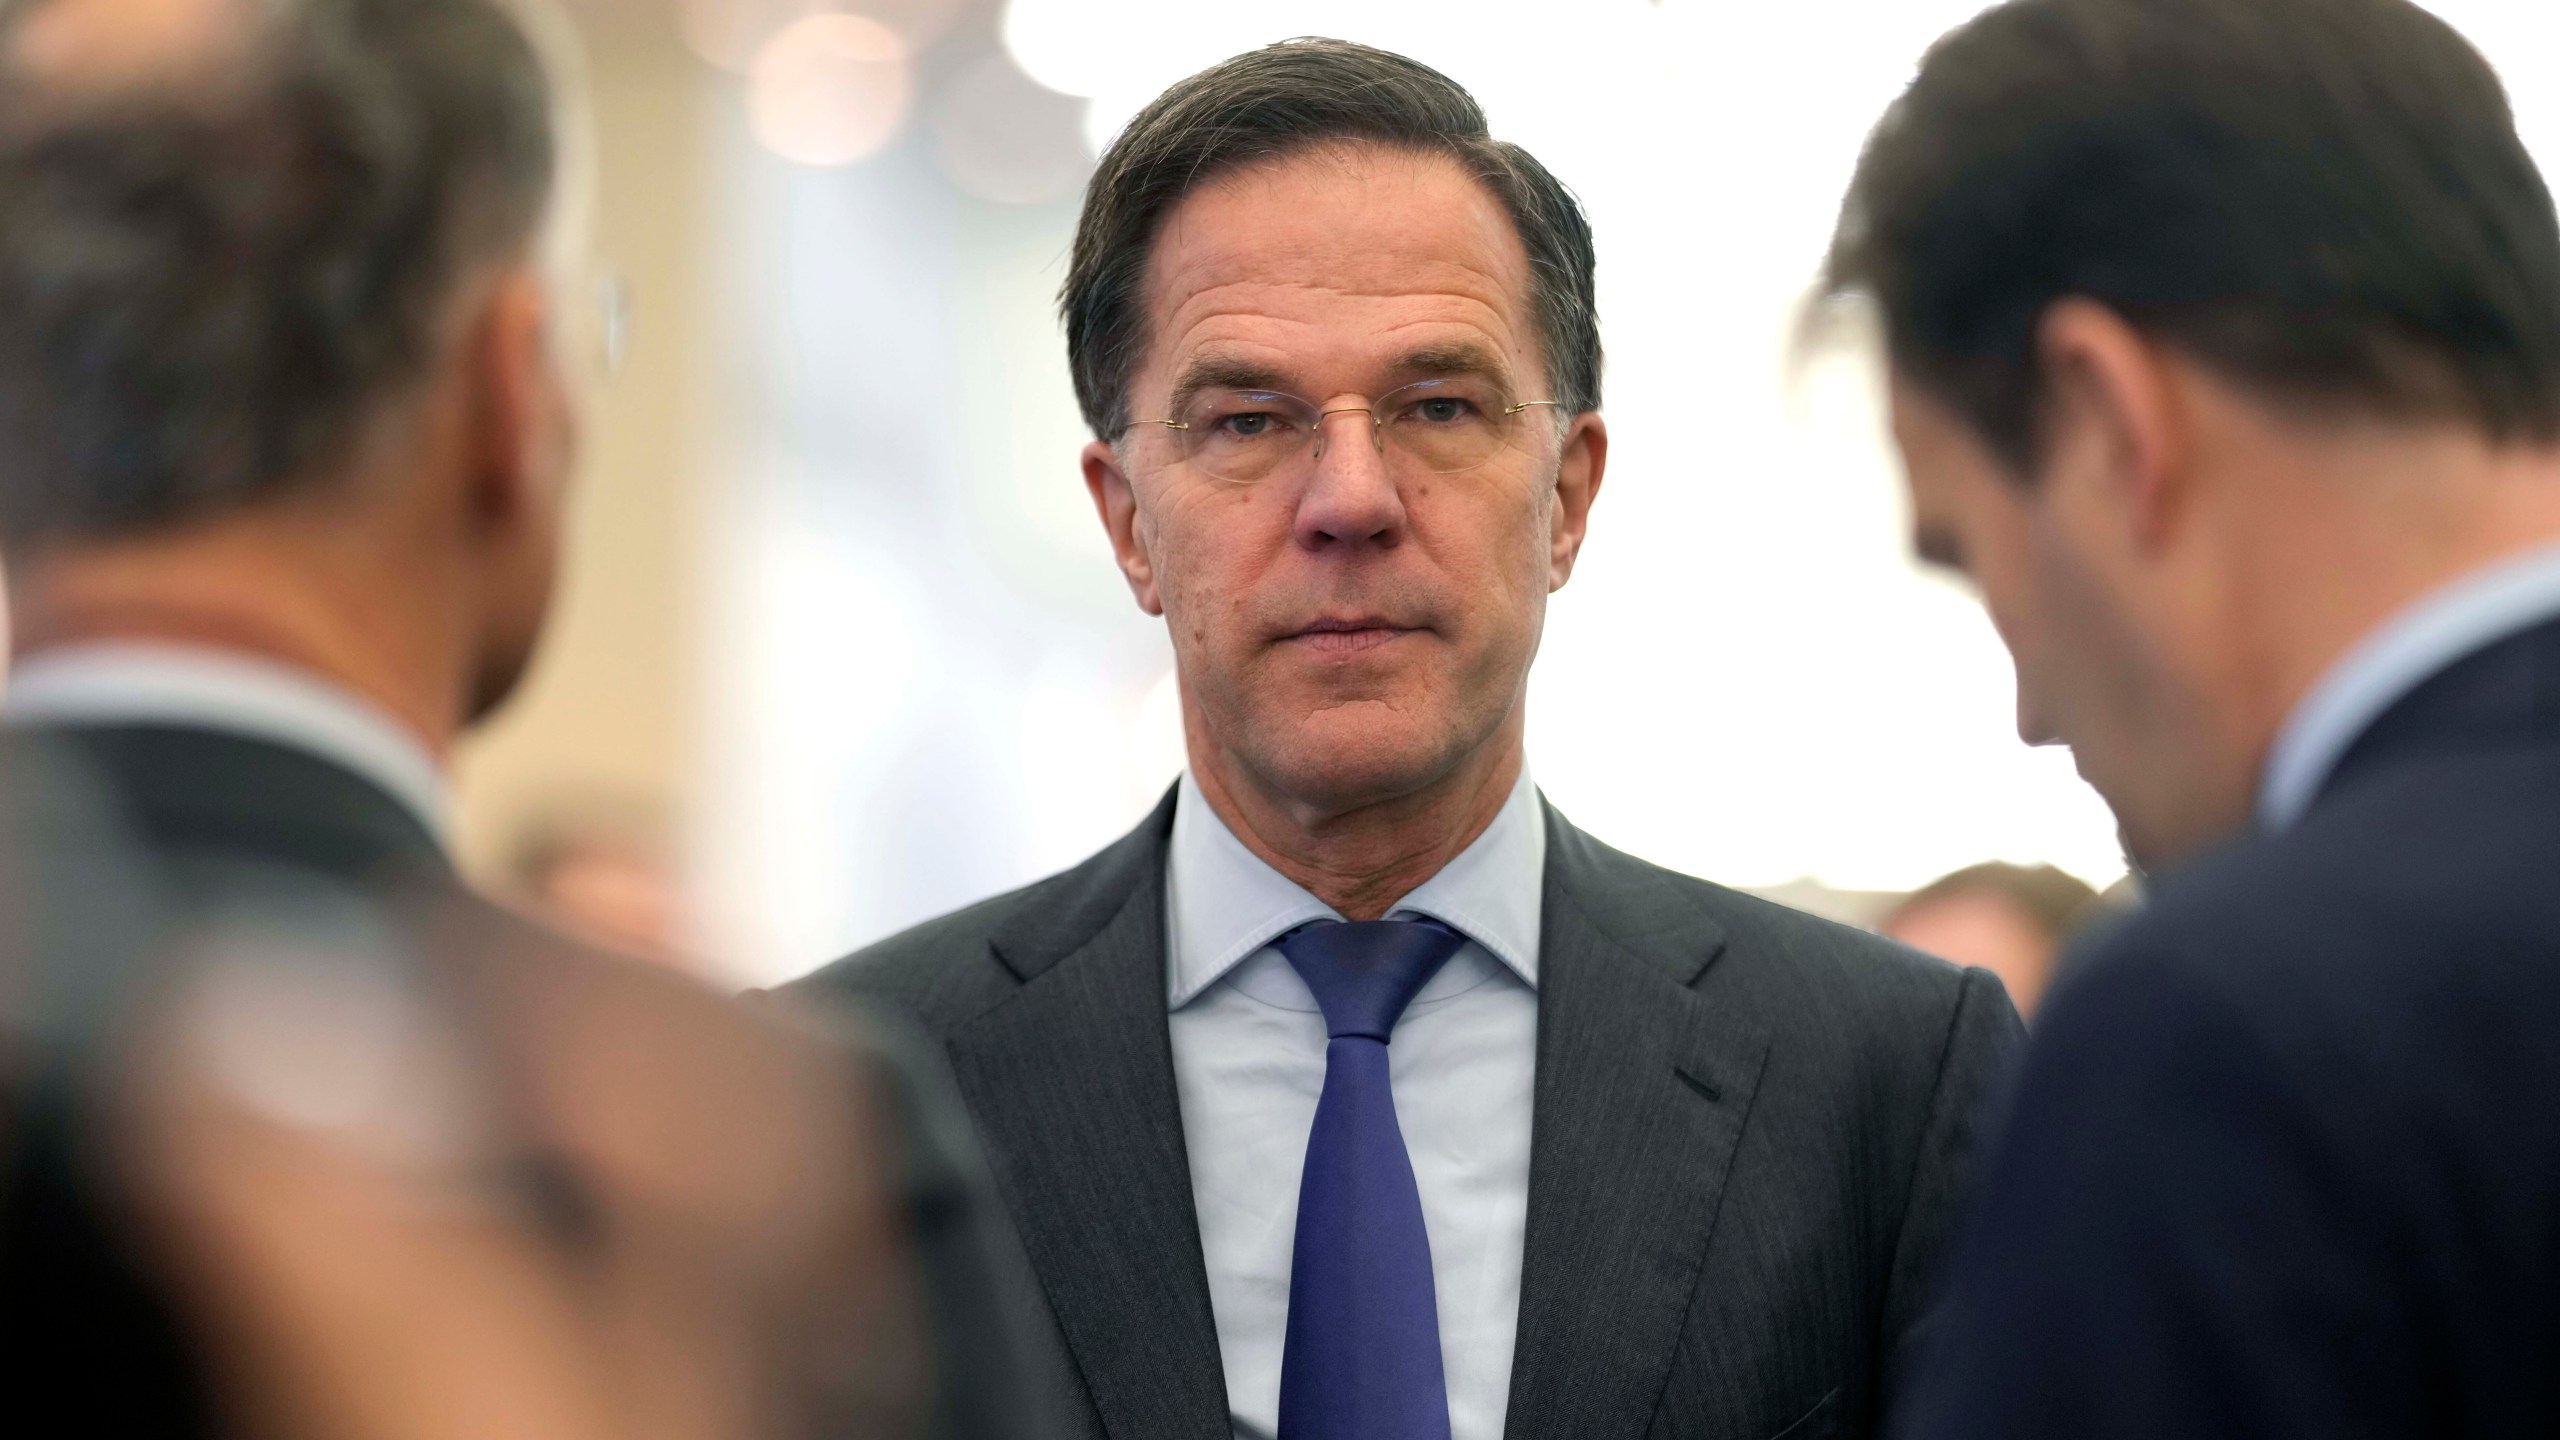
[1377,432]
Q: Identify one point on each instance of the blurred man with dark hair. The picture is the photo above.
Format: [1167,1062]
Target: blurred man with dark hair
[311,1142]
[1645,1156]
[2012,920]
[2225,343]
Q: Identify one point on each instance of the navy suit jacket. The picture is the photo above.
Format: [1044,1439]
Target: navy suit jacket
[2285,1156]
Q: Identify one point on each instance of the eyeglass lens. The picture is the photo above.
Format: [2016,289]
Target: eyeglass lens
[1443,426]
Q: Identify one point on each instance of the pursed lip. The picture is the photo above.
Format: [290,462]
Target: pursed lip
[1347,634]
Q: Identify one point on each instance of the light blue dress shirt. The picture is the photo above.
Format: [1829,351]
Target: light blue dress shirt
[1248,1060]
[2411,648]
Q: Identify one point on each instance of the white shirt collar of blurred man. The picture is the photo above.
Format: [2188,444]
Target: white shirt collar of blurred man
[198,687]
[2410,649]
[1224,904]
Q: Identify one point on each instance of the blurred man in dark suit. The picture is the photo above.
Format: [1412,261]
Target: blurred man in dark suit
[313,1141]
[2225,343]
[1357,1093]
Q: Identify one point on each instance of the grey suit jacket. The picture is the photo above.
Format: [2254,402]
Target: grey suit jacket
[1750,1132]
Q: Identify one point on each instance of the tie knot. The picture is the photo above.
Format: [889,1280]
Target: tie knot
[1364,973]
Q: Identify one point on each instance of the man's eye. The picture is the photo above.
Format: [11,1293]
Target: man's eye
[1252,425]
[1443,410]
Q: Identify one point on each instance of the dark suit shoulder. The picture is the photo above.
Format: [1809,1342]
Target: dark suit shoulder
[2379,982]
[947,971]
[2325,1050]
[937,973]
[1824,970]
[2418,901]
[1827,954]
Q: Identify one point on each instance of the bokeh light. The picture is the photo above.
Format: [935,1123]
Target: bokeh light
[919,22]
[830,89]
[730,33]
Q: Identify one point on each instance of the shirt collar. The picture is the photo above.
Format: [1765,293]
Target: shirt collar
[1223,903]
[202,688]
[2409,649]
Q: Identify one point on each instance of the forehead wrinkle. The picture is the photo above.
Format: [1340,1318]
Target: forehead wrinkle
[1363,276]
[1235,326]
[1208,268]
[1210,311]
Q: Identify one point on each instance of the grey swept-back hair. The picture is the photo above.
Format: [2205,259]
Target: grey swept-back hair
[210,288]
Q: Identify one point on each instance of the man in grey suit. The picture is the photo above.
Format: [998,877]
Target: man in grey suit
[1356,1093]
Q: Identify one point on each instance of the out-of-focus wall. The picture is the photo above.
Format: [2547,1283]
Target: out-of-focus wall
[608,720]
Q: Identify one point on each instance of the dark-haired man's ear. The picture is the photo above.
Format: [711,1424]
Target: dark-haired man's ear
[1586,459]
[1117,504]
[2115,431]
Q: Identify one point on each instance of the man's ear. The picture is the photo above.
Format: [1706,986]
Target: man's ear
[1117,503]
[2116,418]
[518,406]
[1585,461]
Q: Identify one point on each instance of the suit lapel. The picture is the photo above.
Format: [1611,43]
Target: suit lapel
[1073,1080]
[1642,1092]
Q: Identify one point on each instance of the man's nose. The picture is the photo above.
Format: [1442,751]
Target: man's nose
[2035,724]
[1351,496]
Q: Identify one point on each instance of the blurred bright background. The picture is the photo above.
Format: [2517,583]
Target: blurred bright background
[844,647]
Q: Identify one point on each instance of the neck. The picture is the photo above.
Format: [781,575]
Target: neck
[306,602]
[1363,856]
[2321,577]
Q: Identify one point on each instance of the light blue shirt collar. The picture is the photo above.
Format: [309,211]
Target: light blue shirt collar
[2408,650]
[1223,903]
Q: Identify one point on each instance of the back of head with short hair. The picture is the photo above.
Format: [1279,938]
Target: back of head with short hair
[1279,101]
[209,288]
[2324,199]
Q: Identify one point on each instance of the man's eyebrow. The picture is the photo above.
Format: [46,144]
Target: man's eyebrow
[1215,371]
[1219,372]
[1464,358]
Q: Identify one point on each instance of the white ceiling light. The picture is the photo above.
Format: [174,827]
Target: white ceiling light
[1060,46]
[1090,47]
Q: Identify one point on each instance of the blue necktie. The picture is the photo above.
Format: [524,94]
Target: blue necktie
[1362,1359]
